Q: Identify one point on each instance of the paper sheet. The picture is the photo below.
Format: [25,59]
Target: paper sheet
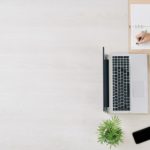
[140,21]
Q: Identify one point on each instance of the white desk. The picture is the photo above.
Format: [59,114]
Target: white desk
[51,73]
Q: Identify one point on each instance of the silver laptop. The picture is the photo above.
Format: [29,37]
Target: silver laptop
[125,83]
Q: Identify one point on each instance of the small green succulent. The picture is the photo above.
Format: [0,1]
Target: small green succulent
[110,132]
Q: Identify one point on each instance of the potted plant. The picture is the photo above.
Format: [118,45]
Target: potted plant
[110,132]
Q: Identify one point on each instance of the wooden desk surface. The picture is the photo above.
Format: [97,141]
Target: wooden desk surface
[51,73]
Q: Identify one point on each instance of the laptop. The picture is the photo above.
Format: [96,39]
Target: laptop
[125,83]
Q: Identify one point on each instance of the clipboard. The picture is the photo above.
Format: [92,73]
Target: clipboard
[139,50]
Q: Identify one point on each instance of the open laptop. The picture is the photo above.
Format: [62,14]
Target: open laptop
[125,83]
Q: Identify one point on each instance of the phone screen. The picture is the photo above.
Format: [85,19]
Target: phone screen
[141,135]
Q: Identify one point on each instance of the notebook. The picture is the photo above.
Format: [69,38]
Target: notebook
[139,21]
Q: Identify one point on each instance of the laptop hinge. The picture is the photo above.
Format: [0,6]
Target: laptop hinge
[105,82]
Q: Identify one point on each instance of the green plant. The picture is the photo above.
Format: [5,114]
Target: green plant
[110,132]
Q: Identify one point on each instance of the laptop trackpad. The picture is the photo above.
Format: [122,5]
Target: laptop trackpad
[138,89]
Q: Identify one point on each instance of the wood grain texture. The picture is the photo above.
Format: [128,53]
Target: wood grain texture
[51,73]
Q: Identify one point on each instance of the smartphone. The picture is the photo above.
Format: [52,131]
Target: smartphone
[141,135]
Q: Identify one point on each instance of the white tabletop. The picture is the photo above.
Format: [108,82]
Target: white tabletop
[51,73]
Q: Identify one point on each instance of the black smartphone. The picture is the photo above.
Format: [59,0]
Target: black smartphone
[141,135]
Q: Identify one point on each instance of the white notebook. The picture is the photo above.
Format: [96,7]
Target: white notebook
[140,21]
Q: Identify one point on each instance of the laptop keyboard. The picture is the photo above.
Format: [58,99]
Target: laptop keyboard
[121,83]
